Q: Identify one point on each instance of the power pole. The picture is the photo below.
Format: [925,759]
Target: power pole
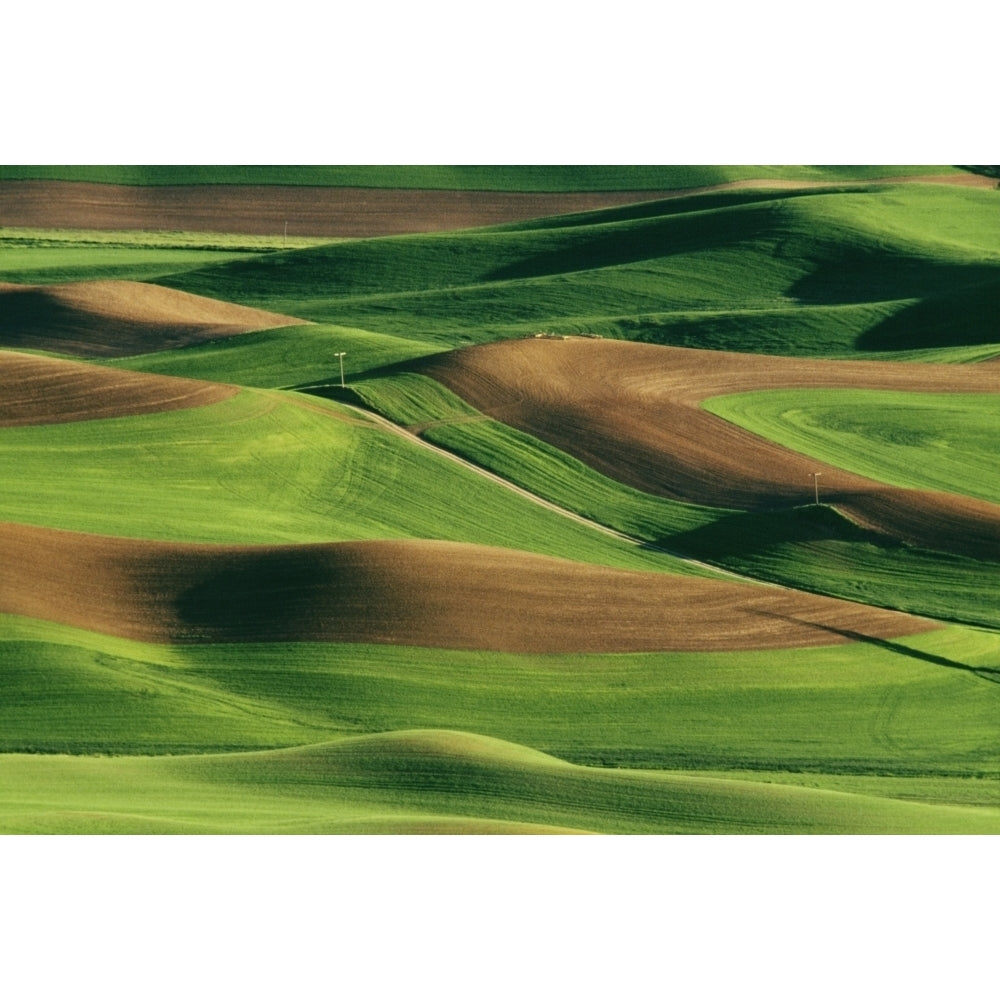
[815,478]
[340,354]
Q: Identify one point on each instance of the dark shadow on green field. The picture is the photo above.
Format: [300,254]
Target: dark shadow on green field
[283,594]
[990,674]
[753,532]
[681,205]
[966,316]
[654,239]
[852,274]
[33,318]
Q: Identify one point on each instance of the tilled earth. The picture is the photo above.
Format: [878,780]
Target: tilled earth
[263,211]
[420,593]
[317,211]
[40,390]
[632,411]
[113,319]
[629,410]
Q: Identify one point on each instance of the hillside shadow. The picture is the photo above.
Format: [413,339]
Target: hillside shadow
[965,317]
[990,674]
[661,237]
[750,533]
[267,595]
[680,204]
[844,275]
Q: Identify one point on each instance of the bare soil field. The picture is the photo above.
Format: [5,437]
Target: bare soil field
[40,390]
[631,411]
[264,210]
[317,211]
[113,319]
[421,593]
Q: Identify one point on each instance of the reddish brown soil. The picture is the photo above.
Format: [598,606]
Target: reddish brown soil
[40,390]
[111,319]
[631,411]
[435,594]
[334,212]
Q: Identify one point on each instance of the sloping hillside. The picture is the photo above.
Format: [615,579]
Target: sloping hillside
[116,318]
[631,411]
[825,272]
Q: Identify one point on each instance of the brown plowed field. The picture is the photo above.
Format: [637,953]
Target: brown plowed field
[112,319]
[264,210]
[317,211]
[40,390]
[631,411]
[435,594]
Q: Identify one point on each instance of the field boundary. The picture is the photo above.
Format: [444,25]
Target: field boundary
[353,212]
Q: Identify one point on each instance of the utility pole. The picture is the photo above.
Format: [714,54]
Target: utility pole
[340,354]
[284,238]
[815,477]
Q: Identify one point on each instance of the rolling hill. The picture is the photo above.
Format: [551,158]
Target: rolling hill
[630,513]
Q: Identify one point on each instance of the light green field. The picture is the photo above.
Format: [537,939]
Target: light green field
[267,467]
[41,264]
[380,738]
[945,442]
[920,706]
[14,238]
[435,782]
[46,256]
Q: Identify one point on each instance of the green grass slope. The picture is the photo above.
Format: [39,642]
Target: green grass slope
[809,547]
[44,256]
[816,548]
[818,273]
[290,356]
[434,782]
[916,707]
[877,737]
[67,698]
[266,467]
[439,416]
[462,178]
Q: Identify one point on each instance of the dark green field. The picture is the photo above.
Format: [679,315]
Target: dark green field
[499,178]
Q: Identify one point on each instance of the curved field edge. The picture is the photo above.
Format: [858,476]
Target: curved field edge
[409,592]
[47,390]
[41,261]
[434,781]
[835,272]
[809,547]
[943,442]
[270,467]
[500,178]
[289,357]
[916,706]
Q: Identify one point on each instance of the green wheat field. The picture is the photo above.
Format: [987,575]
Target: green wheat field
[107,731]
